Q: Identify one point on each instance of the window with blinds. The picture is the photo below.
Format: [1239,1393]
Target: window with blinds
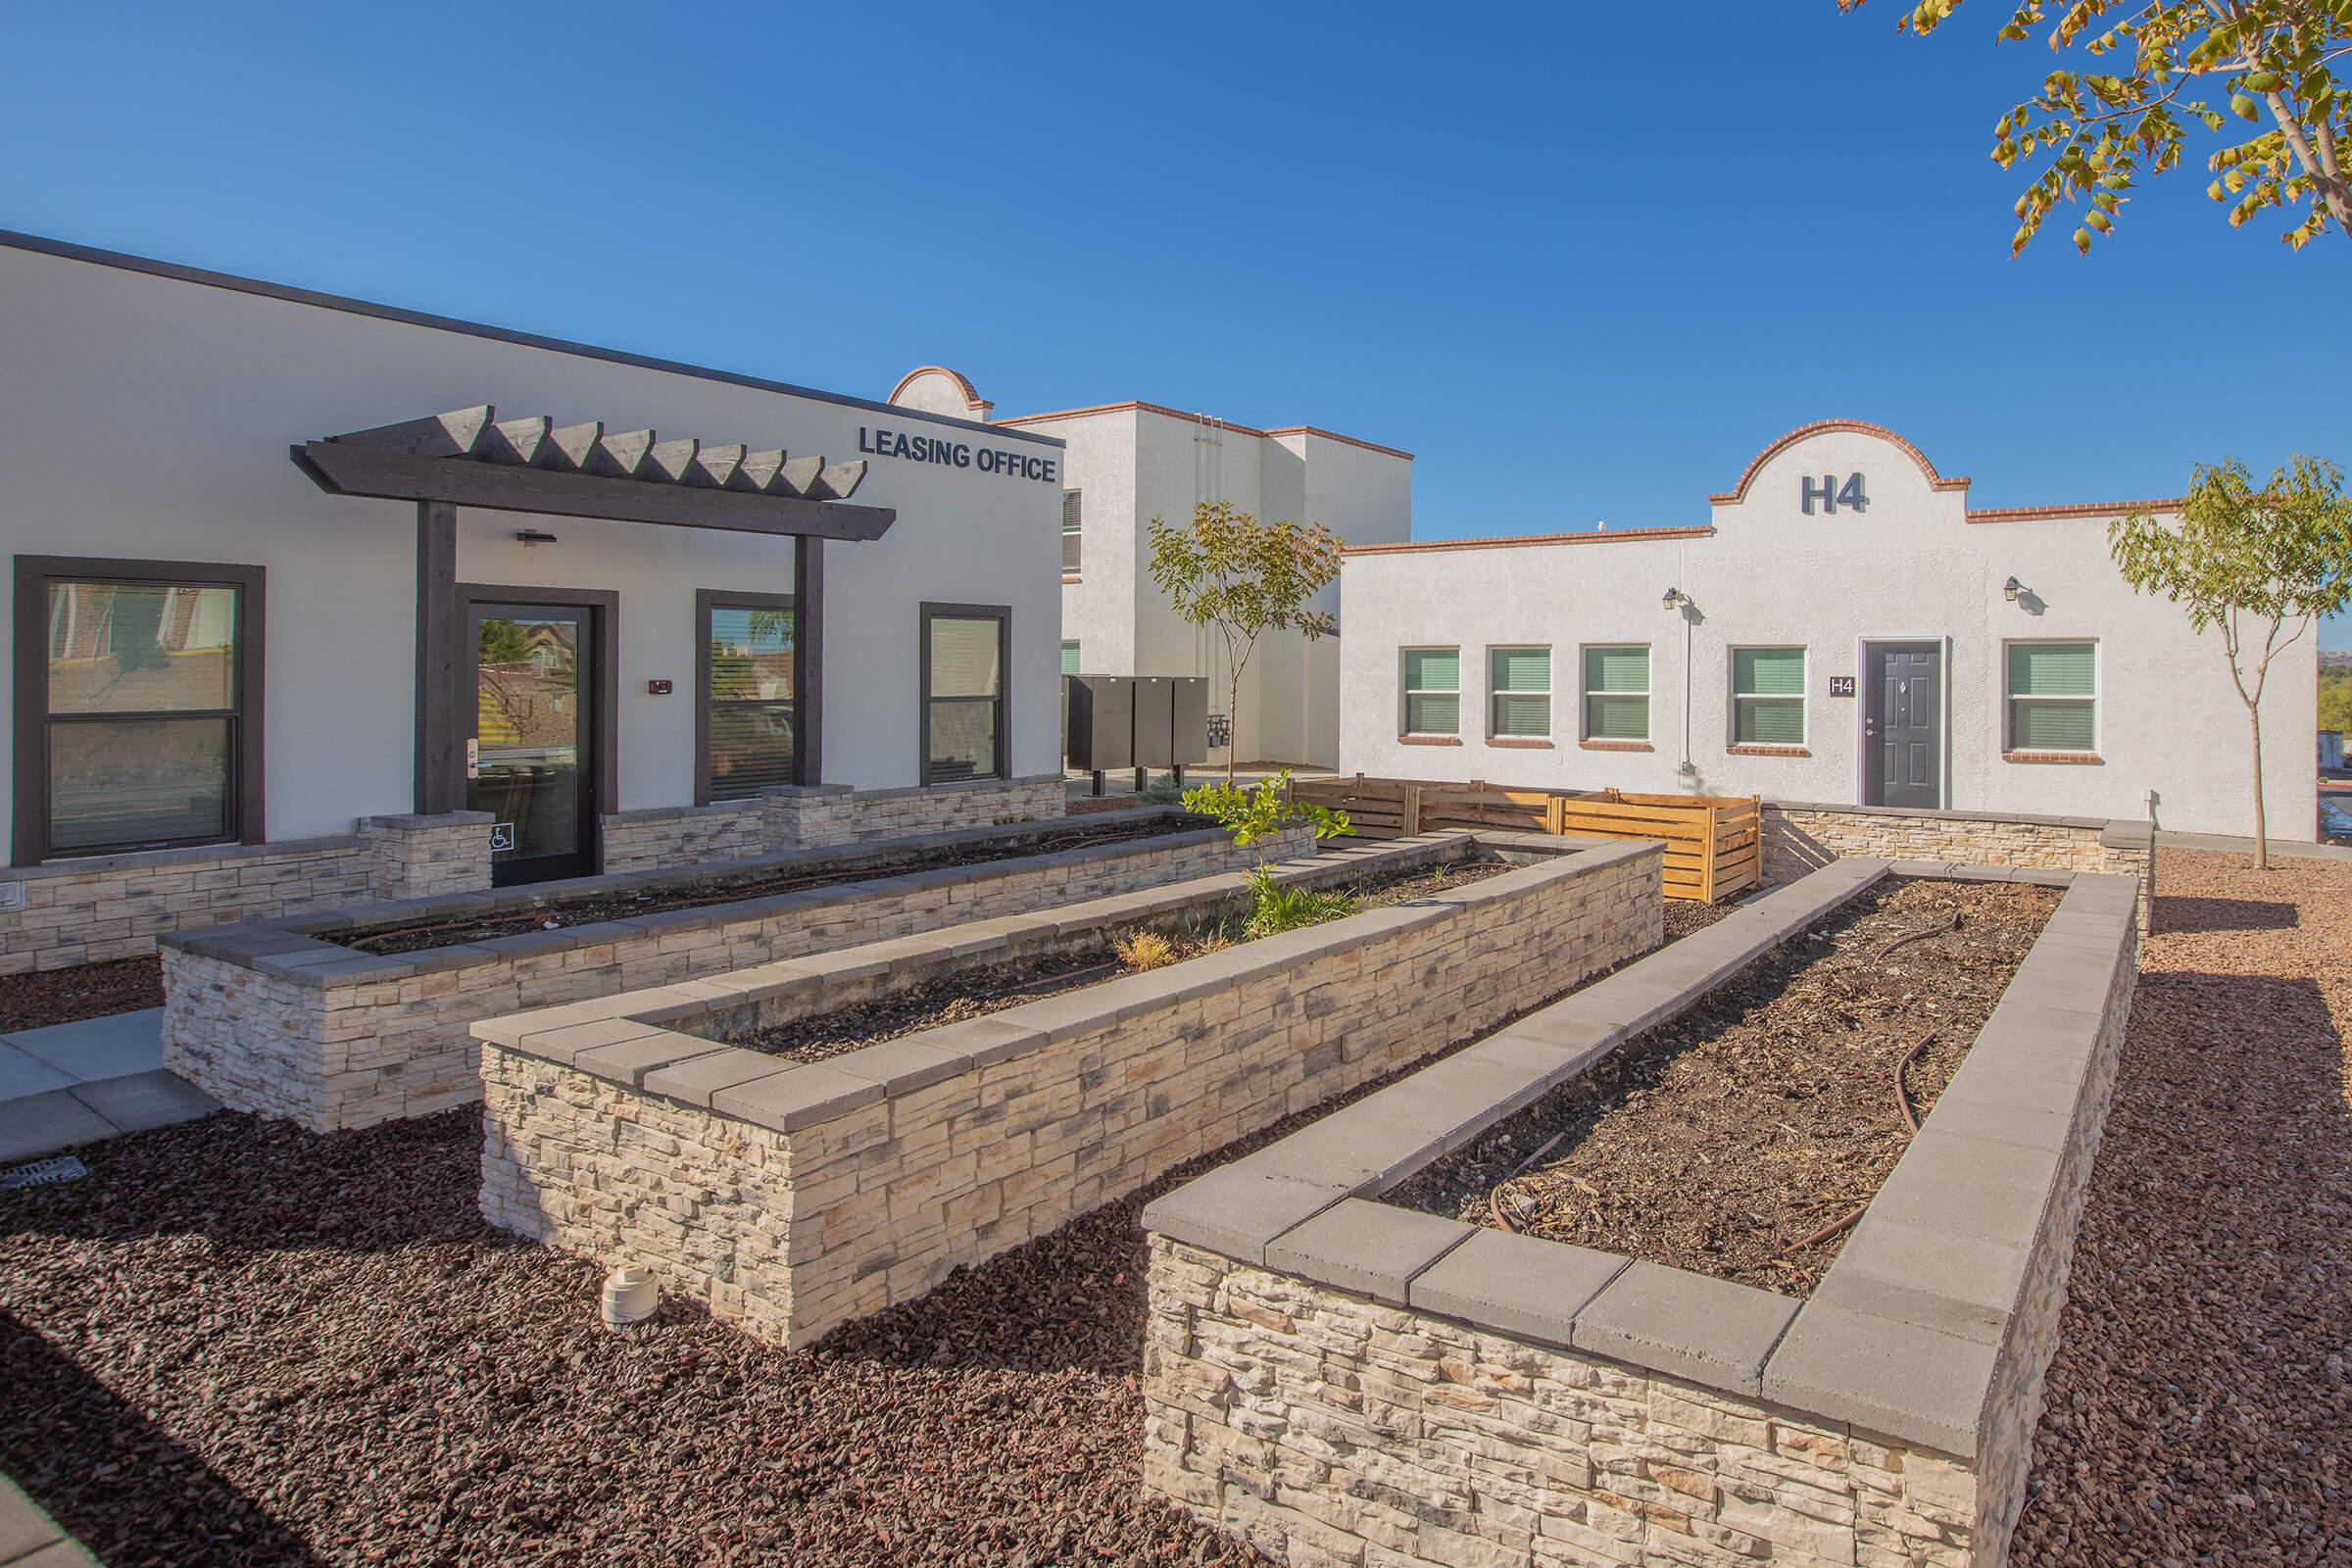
[1069,658]
[1617,693]
[1071,530]
[2053,697]
[750,717]
[1767,697]
[1432,691]
[964,656]
[1519,693]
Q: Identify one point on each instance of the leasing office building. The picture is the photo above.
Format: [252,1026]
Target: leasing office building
[1845,629]
[316,598]
[1128,463]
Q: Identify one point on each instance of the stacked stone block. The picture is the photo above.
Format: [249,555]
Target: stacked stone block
[905,1160]
[1800,836]
[429,856]
[684,835]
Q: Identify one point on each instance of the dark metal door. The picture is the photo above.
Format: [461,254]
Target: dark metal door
[1902,725]
[531,760]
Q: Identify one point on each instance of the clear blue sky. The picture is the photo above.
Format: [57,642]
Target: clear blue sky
[1583,263]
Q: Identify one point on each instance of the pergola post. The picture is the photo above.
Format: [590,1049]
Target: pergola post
[440,771]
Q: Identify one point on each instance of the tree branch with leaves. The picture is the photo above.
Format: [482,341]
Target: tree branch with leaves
[2102,131]
[2258,565]
[1242,578]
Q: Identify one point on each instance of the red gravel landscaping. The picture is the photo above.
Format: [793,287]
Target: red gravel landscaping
[83,991]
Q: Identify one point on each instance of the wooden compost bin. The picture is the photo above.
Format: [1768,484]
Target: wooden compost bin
[1714,846]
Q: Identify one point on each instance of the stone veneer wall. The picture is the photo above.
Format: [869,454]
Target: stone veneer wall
[1347,1383]
[796,817]
[818,1193]
[99,907]
[1799,836]
[271,1019]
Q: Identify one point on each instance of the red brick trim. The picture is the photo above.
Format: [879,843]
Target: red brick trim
[2067,759]
[1766,750]
[1935,481]
[972,400]
[1597,536]
[2083,509]
[1137,405]
[1071,576]
[1519,743]
[1429,739]
[1615,746]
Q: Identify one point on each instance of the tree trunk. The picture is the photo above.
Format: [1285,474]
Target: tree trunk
[1233,715]
[2262,829]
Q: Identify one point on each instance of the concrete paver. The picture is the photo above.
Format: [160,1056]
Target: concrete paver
[97,1048]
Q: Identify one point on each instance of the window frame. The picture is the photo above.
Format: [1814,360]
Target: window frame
[1002,615]
[1073,531]
[707,600]
[245,815]
[1494,730]
[1802,696]
[2097,697]
[1585,693]
[1405,694]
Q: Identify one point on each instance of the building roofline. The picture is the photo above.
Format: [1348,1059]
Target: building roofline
[1605,536]
[2080,508]
[1137,405]
[1935,481]
[973,402]
[67,250]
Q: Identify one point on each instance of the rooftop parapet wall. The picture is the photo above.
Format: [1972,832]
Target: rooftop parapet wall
[276,1017]
[1347,1381]
[792,1198]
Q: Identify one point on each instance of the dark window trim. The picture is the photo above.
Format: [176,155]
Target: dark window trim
[605,765]
[706,599]
[28,842]
[1002,615]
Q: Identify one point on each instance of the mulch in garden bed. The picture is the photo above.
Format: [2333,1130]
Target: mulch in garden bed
[1732,1141]
[690,892]
[85,991]
[983,989]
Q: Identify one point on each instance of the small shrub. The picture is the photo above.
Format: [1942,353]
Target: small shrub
[1251,814]
[1145,949]
[1163,791]
[1276,908]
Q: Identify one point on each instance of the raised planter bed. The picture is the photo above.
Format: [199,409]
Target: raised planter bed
[287,1017]
[793,1196]
[1336,1375]
[1713,848]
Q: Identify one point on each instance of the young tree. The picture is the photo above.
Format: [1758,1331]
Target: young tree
[2257,565]
[1243,579]
[2102,129]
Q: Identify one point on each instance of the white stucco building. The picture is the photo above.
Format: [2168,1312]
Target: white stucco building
[1844,628]
[1128,463]
[276,575]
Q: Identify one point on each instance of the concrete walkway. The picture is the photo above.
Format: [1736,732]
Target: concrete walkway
[30,1539]
[76,1083]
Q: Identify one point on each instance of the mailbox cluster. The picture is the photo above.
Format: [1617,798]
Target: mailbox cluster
[1137,721]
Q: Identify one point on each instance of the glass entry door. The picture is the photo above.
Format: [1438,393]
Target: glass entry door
[530,761]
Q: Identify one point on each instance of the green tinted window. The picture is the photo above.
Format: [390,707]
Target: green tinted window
[1768,671]
[1768,695]
[1519,691]
[1433,683]
[1617,669]
[1069,659]
[2052,670]
[2052,706]
[1617,694]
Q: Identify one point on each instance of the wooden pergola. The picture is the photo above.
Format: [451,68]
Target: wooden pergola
[471,458]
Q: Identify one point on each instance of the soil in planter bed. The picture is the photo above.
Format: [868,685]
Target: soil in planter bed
[690,892]
[992,988]
[85,991]
[1732,1141]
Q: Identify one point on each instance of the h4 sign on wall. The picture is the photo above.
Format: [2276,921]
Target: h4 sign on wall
[1832,493]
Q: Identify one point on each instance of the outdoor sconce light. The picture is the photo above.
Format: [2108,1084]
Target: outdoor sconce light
[1675,595]
[539,536]
[2012,588]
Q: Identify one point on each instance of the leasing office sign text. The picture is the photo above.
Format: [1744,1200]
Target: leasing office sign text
[875,441]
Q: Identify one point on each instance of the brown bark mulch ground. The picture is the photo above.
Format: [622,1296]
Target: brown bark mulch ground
[238,1343]
[690,892]
[977,992]
[2201,1408]
[1732,1141]
[86,991]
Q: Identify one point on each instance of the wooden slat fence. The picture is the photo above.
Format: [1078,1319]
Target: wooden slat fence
[1714,843]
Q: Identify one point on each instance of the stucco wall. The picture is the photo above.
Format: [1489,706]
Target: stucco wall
[150,417]
[1911,567]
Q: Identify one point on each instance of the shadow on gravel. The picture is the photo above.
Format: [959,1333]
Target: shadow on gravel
[2200,1407]
[66,1430]
[2174,913]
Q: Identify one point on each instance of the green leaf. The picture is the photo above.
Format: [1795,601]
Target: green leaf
[2082,240]
[2263,82]
[2242,106]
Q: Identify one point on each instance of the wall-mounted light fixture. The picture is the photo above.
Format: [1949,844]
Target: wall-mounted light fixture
[2012,588]
[1675,595]
[534,536]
